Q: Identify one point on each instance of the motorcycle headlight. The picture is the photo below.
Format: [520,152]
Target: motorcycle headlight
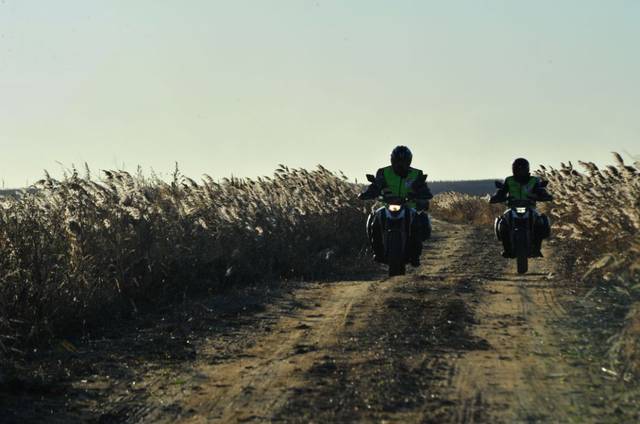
[521,210]
[395,208]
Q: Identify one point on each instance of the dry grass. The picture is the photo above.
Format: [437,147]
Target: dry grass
[598,210]
[80,252]
[464,208]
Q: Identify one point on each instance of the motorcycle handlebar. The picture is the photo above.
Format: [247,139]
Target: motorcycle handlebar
[520,203]
[395,200]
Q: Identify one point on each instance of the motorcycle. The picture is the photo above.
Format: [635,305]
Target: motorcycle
[395,221]
[520,221]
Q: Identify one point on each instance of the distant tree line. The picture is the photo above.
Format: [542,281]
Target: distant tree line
[8,192]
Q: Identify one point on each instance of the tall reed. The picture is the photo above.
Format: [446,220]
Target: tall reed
[77,252]
[598,212]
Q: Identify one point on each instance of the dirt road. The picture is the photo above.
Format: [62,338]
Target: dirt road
[463,339]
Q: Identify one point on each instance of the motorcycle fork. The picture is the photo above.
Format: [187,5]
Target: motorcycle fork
[404,227]
[518,225]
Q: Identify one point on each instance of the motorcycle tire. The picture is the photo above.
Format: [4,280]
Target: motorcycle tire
[395,255]
[522,253]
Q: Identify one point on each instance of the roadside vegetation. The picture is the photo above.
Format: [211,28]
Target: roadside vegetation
[596,215]
[81,252]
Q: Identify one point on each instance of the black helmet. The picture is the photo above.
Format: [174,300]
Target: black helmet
[401,158]
[521,168]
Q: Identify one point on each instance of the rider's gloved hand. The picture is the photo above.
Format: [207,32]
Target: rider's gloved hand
[422,205]
[367,195]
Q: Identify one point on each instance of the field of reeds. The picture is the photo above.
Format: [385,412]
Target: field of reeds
[597,211]
[79,252]
[465,208]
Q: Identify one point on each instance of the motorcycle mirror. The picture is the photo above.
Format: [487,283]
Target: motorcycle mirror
[371,178]
[419,182]
[499,184]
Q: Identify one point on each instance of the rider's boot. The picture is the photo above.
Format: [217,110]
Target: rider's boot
[416,252]
[376,244]
[536,249]
[506,248]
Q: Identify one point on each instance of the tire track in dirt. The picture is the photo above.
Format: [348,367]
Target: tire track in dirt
[388,367]
[524,377]
[248,388]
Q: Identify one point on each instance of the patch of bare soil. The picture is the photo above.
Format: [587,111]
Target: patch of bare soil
[391,363]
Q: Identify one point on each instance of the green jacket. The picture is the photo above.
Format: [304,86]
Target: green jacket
[396,185]
[389,183]
[513,190]
[519,191]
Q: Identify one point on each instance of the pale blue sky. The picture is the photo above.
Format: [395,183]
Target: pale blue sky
[237,87]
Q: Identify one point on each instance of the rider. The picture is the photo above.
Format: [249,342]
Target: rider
[523,186]
[401,180]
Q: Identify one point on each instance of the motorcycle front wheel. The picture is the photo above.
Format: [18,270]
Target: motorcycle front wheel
[522,253]
[395,256]
[397,269]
